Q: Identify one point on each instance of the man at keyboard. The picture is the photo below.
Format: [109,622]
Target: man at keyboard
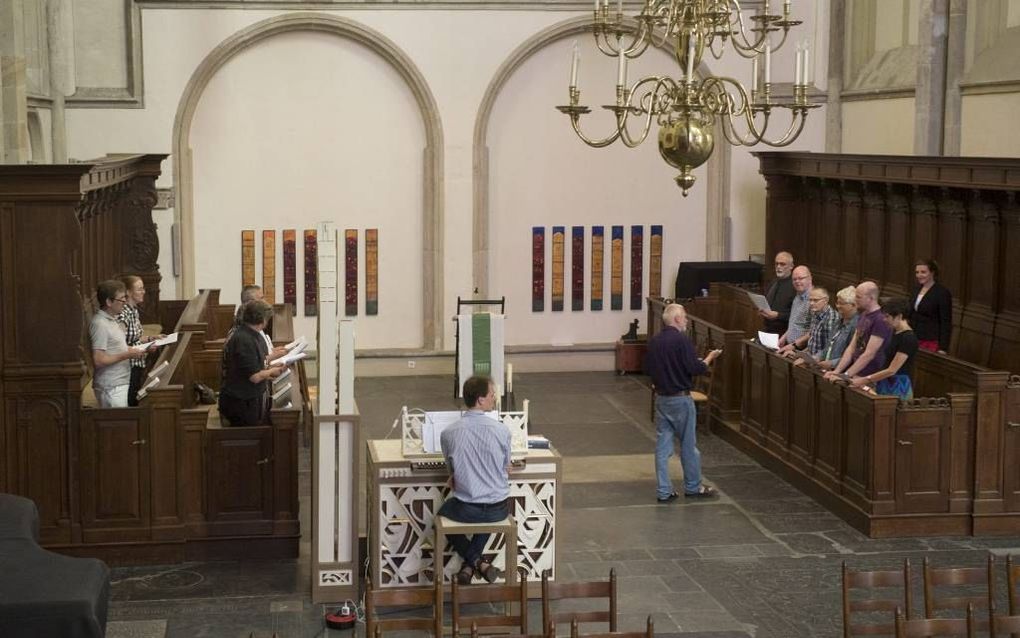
[477,453]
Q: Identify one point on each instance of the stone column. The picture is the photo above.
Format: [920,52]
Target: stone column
[956,54]
[13,94]
[834,85]
[931,77]
[60,41]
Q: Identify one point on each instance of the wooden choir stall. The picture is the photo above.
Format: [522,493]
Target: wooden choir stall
[947,462]
[160,482]
[407,485]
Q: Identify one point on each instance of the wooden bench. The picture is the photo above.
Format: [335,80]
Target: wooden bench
[888,468]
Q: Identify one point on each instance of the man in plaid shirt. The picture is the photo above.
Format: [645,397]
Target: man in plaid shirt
[823,321]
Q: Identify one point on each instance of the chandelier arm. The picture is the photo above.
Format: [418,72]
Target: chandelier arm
[632,142]
[605,45]
[796,126]
[606,141]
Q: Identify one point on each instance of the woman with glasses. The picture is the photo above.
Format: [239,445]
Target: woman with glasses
[111,355]
[135,294]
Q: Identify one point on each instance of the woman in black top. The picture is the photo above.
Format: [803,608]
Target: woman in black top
[896,378]
[931,308]
[244,391]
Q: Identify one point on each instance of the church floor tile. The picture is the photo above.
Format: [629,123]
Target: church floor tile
[763,560]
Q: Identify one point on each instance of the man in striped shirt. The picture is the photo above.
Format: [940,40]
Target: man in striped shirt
[477,453]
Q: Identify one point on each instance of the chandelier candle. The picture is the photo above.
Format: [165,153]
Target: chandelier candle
[690,112]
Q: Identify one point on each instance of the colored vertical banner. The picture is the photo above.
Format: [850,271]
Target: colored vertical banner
[269,266]
[289,268]
[537,268]
[557,267]
[637,258]
[577,268]
[247,258]
[351,270]
[655,262]
[616,270]
[372,271]
[598,238]
[311,274]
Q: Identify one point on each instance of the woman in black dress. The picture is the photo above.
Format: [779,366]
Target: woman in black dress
[931,308]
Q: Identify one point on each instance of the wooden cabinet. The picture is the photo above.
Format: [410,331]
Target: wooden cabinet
[240,480]
[630,355]
[115,473]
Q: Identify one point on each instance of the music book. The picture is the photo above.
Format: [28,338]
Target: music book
[759,301]
[281,392]
[768,339]
[158,369]
[278,380]
[288,358]
[300,341]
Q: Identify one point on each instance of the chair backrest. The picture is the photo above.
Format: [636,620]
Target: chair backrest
[649,632]
[955,577]
[550,632]
[1004,625]
[935,626]
[1012,579]
[506,593]
[554,591]
[897,579]
[375,599]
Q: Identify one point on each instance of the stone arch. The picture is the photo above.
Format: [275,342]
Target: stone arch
[718,164]
[432,207]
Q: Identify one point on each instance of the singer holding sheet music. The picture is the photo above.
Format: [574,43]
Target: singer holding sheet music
[780,296]
[244,391]
[135,292]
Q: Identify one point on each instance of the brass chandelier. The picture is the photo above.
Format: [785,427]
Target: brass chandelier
[686,108]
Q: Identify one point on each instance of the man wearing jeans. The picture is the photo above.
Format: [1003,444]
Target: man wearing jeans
[672,365]
[477,452]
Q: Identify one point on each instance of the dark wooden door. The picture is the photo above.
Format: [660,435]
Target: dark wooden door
[240,483]
[115,475]
[922,461]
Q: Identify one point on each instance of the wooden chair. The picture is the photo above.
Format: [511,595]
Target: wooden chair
[484,594]
[649,631]
[1012,579]
[553,591]
[403,597]
[956,577]
[1003,625]
[899,579]
[550,632]
[935,626]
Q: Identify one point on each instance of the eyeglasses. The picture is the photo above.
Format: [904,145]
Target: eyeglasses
[120,299]
[816,299]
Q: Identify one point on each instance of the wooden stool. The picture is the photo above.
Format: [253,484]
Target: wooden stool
[444,527]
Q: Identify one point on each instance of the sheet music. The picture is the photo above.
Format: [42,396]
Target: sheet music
[432,429]
[760,302]
[288,358]
[297,342]
[170,338]
[281,392]
[283,376]
[768,339]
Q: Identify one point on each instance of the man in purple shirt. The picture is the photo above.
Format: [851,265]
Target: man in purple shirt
[672,364]
[865,353]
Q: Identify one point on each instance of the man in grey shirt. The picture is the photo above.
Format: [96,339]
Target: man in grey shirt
[477,452]
[110,353]
[800,310]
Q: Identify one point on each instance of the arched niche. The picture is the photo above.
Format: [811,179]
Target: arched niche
[718,164]
[432,165]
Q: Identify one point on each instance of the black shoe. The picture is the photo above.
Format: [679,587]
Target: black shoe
[668,499]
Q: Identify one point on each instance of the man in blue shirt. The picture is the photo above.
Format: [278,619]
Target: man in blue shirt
[673,364]
[477,452]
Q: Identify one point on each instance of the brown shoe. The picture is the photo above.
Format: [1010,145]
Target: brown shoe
[489,572]
[465,575]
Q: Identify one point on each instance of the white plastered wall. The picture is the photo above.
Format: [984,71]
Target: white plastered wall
[457,56]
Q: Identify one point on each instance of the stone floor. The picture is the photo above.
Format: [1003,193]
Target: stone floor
[763,560]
